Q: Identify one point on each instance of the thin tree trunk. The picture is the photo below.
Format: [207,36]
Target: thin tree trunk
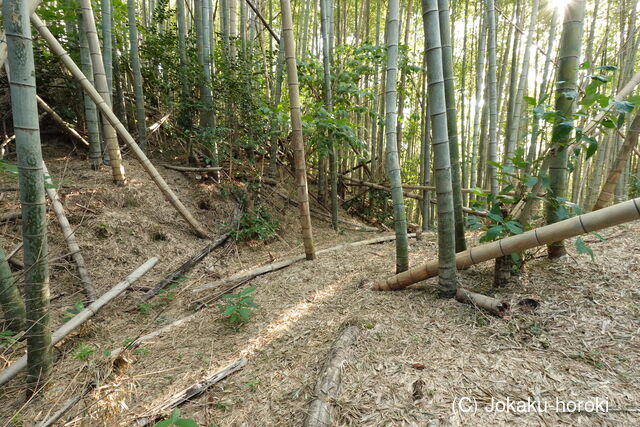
[447,282]
[22,83]
[296,127]
[277,94]
[492,152]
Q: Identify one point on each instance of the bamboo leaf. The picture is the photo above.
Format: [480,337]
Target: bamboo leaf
[582,248]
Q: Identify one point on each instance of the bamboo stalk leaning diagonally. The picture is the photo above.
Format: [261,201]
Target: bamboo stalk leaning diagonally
[575,226]
[64,125]
[82,317]
[69,236]
[56,48]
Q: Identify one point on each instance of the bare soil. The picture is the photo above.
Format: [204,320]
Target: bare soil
[415,359]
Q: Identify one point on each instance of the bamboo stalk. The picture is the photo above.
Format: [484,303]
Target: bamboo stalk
[593,221]
[69,236]
[57,49]
[492,305]
[63,125]
[246,275]
[81,317]
[192,169]
[10,216]
[328,386]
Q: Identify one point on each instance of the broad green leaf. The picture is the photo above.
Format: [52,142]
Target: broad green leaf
[582,248]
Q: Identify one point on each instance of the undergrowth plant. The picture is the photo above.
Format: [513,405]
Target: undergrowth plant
[175,420]
[257,224]
[238,307]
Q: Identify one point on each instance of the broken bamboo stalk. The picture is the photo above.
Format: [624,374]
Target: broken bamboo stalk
[91,91]
[192,169]
[278,265]
[69,403]
[328,385]
[77,320]
[69,236]
[190,392]
[575,226]
[492,305]
[63,125]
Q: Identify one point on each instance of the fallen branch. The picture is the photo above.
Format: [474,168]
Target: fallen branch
[69,237]
[63,125]
[190,169]
[81,317]
[325,216]
[67,405]
[191,262]
[10,216]
[328,385]
[247,275]
[191,392]
[492,305]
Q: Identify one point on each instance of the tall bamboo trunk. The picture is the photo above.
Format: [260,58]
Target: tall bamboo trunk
[452,124]
[108,132]
[137,75]
[480,73]
[447,282]
[277,94]
[492,152]
[566,86]
[106,25]
[393,161]
[10,299]
[296,127]
[22,82]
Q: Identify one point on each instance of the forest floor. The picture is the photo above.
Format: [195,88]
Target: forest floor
[413,361]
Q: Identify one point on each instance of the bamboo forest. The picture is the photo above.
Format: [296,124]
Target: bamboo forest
[319,213]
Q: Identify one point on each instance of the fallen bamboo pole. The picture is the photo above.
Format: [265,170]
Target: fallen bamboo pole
[63,125]
[88,88]
[192,169]
[492,305]
[247,275]
[77,320]
[325,216]
[190,392]
[328,385]
[69,236]
[10,216]
[593,221]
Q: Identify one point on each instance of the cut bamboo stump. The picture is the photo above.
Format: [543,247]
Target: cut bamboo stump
[328,385]
[492,305]
[593,221]
[190,392]
[69,236]
[248,275]
[81,317]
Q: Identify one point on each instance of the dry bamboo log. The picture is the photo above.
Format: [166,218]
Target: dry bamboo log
[69,236]
[492,305]
[58,50]
[328,385]
[325,216]
[247,275]
[10,216]
[63,125]
[191,262]
[609,187]
[192,169]
[593,221]
[67,405]
[81,317]
[190,392]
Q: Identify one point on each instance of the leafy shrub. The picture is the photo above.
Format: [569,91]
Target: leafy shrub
[238,306]
[175,420]
[257,224]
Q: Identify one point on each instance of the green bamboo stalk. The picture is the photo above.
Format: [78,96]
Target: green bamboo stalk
[447,282]
[566,93]
[107,46]
[296,127]
[492,153]
[452,123]
[10,298]
[32,196]
[393,161]
[137,75]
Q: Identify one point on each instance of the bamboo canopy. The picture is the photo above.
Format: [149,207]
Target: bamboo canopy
[91,91]
[593,221]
